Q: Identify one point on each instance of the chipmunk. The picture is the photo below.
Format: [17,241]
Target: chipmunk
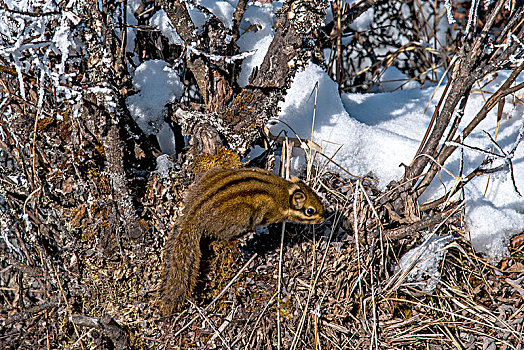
[224,204]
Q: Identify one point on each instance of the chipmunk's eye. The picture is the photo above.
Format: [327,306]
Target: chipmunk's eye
[310,211]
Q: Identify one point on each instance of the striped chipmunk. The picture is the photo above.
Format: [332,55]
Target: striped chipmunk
[224,204]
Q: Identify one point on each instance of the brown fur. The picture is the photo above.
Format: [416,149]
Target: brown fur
[224,204]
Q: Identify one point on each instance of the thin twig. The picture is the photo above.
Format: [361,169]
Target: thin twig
[68,307]
[224,290]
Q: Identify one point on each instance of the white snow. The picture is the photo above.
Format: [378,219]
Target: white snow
[28,42]
[166,139]
[492,226]
[422,262]
[198,17]
[63,39]
[132,6]
[223,10]
[363,22]
[163,23]
[378,147]
[164,164]
[377,132]
[158,85]
[257,27]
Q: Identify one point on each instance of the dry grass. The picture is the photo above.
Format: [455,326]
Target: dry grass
[335,293]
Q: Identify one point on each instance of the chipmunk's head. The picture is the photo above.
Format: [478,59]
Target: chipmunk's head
[305,205]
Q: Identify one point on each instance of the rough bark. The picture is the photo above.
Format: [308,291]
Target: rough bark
[256,103]
[206,56]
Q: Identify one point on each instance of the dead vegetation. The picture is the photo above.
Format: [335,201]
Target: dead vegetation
[84,214]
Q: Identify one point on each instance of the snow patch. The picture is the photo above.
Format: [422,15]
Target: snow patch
[257,26]
[158,85]
[378,132]
[223,10]
[422,262]
[490,228]
[363,148]
[164,165]
[163,23]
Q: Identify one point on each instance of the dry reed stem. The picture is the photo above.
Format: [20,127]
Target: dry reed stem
[222,292]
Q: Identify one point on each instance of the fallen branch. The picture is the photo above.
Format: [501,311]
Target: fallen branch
[108,326]
[416,229]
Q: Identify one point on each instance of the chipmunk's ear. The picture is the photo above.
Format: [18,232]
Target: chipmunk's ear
[298,198]
[293,188]
[294,179]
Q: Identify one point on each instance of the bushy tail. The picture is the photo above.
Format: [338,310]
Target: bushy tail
[182,261]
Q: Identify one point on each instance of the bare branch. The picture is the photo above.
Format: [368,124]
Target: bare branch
[447,150]
[237,18]
[507,165]
[108,326]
